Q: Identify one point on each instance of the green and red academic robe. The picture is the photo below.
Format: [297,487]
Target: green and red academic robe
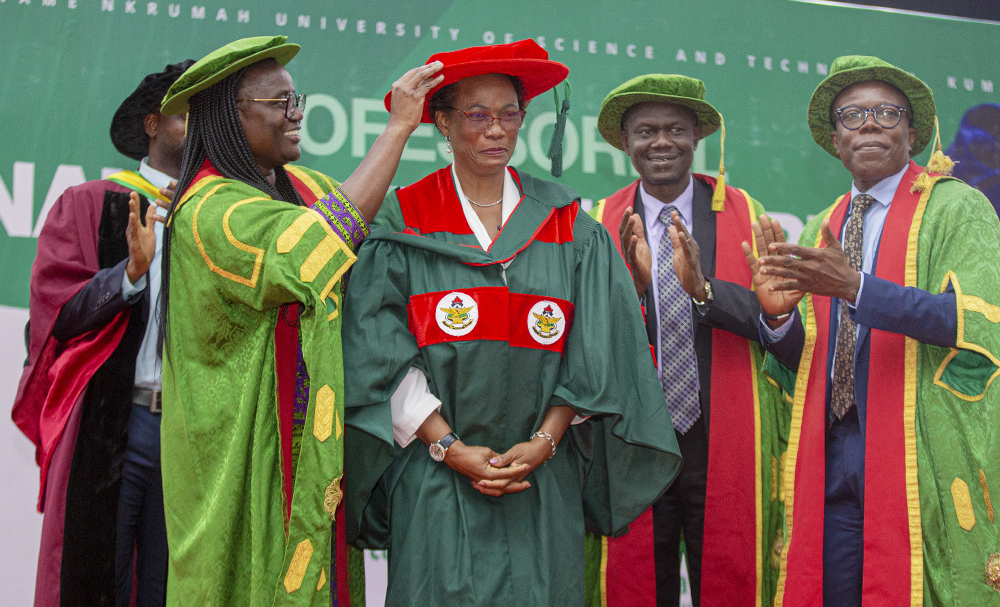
[252,430]
[932,449]
[747,439]
[557,327]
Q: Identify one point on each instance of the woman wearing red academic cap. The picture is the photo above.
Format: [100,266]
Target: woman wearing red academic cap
[486,313]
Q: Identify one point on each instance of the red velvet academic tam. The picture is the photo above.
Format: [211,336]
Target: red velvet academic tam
[523,59]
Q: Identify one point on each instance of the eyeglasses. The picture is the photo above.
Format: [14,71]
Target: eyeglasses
[886,115]
[291,100]
[480,122]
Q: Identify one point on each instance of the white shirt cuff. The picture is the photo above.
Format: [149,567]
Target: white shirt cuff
[128,289]
[411,404]
[857,298]
[774,335]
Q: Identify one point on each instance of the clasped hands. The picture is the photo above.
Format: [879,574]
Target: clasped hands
[497,474]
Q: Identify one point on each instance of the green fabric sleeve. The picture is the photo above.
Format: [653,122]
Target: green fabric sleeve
[265,253]
[608,373]
[958,409]
[374,315]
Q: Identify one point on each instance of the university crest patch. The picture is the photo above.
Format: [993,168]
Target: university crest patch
[457,314]
[546,322]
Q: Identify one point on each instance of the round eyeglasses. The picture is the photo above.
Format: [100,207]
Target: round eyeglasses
[291,102]
[886,115]
[480,122]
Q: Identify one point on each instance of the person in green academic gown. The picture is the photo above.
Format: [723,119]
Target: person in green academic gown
[494,407]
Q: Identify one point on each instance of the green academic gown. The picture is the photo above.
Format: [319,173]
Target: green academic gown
[248,524]
[558,326]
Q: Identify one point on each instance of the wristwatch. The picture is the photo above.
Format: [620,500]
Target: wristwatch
[439,449]
[709,298]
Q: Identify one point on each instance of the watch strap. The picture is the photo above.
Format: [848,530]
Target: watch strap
[448,440]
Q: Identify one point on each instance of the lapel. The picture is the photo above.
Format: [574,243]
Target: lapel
[703,219]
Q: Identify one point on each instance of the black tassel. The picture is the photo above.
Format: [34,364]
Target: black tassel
[556,146]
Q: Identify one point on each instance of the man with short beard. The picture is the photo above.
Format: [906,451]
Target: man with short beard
[888,311]
[701,320]
[90,394]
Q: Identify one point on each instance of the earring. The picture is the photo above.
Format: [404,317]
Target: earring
[449,144]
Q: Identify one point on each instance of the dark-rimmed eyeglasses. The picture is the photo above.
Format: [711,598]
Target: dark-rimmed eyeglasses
[480,122]
[291,100]
[886,115]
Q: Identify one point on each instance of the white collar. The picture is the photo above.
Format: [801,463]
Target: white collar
[884,191]
[511,196]
[684,203]
[158,178]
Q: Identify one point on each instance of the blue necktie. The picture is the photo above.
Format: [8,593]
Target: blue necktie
[677,359]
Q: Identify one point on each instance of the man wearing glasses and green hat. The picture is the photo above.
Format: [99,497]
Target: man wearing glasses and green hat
[701,321]
[255,254]
[888,312]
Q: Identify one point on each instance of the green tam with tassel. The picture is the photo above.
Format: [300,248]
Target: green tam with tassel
[664,88]
[853,69]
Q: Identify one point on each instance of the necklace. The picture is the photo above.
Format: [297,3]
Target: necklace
[484,206]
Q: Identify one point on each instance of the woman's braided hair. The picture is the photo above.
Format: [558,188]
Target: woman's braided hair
[214,131]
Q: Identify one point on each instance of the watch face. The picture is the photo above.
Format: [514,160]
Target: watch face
[437,452]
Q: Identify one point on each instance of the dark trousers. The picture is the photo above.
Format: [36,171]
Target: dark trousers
[682,509]
[141,523]
[844,515]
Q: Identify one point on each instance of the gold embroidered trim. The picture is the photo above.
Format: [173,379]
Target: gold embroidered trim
[332,497]
[326,400]
[321,254]
[910,352]
[322,580]
[758,480]
[336,301]
[993,571]
[306,179]
[257,253]
[986,495]
[604,552]
[191,191]
[294,233]
[297,568]
[963,504]
[340,429]
[962,306]
[978,304]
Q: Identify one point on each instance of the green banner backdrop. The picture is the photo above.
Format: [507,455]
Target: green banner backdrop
[67,65]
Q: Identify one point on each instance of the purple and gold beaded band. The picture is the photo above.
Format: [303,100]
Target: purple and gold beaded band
[343,217]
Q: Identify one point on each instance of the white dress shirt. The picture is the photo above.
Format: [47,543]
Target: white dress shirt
[656,230]
[147,364]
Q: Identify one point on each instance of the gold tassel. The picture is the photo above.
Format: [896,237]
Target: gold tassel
[939,163]
[719,196]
